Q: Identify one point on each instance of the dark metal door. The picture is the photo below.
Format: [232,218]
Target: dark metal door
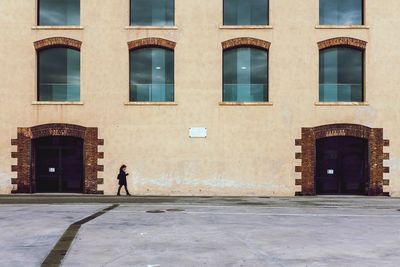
[59,165]
[342,165]
[48,170]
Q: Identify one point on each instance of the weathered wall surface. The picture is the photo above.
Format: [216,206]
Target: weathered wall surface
[249,149]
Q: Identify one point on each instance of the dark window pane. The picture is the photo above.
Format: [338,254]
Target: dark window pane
[341,75]
[152,75]
[59,75]
[245,75]
[59,12]
[249,12]
[341,12]
[152,12]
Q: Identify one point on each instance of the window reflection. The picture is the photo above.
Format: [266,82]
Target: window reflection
[249,12]
[152,75]
[341,75]
[245,75]
[59,75]
[341,12]
[59,12]
[152,13]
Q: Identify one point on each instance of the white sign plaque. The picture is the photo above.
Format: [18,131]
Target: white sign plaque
[197,132]
[330,172]
[52,169]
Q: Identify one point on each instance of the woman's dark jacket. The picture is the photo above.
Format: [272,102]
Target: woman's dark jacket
[122,178]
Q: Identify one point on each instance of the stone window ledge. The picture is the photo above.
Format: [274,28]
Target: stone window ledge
[151,104]
[151,28]
[355,27]
[245,27]
[56,103]
[246,104]
[333,104]
[57,28]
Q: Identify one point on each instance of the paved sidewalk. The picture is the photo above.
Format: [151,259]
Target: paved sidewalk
[327,231]
[29,232]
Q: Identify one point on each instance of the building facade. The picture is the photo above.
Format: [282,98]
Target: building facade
[210,97]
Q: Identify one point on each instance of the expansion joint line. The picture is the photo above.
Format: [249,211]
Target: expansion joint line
[62,246]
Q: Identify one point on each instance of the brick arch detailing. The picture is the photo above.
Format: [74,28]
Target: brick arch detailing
[375,151]
[342,41]
[152,41]
[245,41]
[57,42]
[25,180]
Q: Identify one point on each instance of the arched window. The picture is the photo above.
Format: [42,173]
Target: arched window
[245,75]
[341,12]
[151,75]
[58,74]
[341,76]
[58,12]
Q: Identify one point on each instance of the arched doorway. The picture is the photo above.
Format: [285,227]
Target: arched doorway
[58,164]
[367,154]
[341,166]
[60,157]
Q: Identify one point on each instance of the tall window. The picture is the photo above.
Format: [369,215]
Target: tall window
[152,13]
[245,75]
[59,74]
[58,12]
[341,12]
[152,75]
[341,75]
[248,12]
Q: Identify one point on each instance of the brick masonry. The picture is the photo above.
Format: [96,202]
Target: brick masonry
[25,167]
[342,41]
[58,42]
[375,151]
[152,41]
[245,41]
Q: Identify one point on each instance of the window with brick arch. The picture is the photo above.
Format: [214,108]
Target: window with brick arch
[58,74]
[341,74]
[151,75]
[245,75]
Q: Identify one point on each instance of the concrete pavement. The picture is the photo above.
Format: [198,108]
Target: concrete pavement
[327,231]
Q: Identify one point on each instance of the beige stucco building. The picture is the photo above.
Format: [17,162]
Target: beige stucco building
[265,148]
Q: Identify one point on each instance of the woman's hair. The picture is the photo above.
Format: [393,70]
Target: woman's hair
[122,167]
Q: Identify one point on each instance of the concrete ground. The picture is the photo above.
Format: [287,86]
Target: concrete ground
[155,232]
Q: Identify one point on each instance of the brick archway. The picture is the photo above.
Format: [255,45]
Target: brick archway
[343,41]
[25,175]
[245,41]
[152,41]
[57,42]
[375,150]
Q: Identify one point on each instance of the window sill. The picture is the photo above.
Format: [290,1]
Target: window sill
[151,28]
[245,27]
[341,104]
[55,103]
[355,27]
[57,28]
[246,104]
[151,104]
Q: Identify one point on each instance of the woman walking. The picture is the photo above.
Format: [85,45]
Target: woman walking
[122,180]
